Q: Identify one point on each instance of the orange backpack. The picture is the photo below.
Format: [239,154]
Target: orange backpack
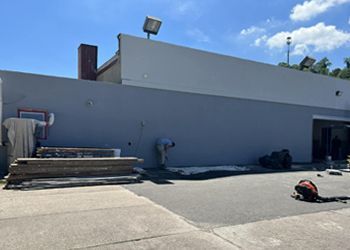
[307,189]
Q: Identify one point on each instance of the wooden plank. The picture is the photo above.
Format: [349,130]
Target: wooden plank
[62,165]
[67,170]
[63,170]
[56,175]
[78,153]
[54,169]
[85,155]
[78,159]
[86,160]
[75,153]
[17,177]
[72,164]
[61,152]
[73,149]
[73,182]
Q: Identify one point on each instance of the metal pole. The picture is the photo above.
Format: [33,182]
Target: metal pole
[289,41]
[148,36]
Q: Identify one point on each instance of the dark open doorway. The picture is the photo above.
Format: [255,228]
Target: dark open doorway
[330,138]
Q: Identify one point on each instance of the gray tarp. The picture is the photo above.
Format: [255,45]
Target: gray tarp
[21,135]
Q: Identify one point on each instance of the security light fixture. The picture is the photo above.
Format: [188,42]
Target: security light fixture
[307,62]
[151,25]
[338,93]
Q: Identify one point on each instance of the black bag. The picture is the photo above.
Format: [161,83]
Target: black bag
[277,160]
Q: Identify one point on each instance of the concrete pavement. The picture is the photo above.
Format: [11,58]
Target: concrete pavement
[94,217]
[112,217]
[323,230]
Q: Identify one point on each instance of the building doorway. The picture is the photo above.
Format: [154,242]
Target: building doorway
[330,138]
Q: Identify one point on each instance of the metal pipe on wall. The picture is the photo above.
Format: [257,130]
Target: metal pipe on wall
[0,111]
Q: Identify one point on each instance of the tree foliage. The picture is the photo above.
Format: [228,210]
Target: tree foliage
[283,64]
[295,66]
[323,67]
[345,73]
[335,72]
[347,62]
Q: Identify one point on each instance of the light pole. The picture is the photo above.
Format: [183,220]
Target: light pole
[289,41]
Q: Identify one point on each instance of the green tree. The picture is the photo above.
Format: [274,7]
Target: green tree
[283,64]
[335,72]
[295,66]
[347,62]
[345,73]
[322,66]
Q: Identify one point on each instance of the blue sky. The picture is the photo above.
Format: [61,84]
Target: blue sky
[42,36]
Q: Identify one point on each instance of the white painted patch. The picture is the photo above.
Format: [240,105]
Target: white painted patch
[330,226]
[198,170]
[274,242]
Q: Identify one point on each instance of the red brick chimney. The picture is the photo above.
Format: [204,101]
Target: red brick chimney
[87,62]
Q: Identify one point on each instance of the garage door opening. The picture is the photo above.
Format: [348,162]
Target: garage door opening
[330,138]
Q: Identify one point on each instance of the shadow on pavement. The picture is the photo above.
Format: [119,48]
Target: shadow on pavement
[165,177]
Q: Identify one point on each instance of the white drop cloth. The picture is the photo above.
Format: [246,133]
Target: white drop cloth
[21,135]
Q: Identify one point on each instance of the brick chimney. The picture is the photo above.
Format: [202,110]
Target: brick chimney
[87,62]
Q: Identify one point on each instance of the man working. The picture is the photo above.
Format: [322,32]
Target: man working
[162,145]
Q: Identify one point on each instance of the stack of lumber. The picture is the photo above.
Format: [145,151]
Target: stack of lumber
[59,152]
[29,169]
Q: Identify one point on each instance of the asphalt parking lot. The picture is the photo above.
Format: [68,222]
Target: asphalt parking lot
[214,211]
[239,199]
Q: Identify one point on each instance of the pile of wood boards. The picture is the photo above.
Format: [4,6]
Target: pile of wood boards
[59,152]
[29,169]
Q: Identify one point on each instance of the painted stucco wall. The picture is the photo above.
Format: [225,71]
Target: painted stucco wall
[112,74]
[207,129]
[154,64]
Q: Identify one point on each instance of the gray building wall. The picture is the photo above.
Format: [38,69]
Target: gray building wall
[153,64]
[207,129]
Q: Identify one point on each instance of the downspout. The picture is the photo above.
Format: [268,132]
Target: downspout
[0,111]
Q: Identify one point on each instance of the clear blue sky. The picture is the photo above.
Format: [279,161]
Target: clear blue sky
[42,36]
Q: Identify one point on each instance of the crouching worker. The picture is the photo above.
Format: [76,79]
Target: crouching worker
[162,145]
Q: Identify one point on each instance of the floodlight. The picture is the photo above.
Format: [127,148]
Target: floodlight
[339,93]
[307,62]
[289,40]
[151,25]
